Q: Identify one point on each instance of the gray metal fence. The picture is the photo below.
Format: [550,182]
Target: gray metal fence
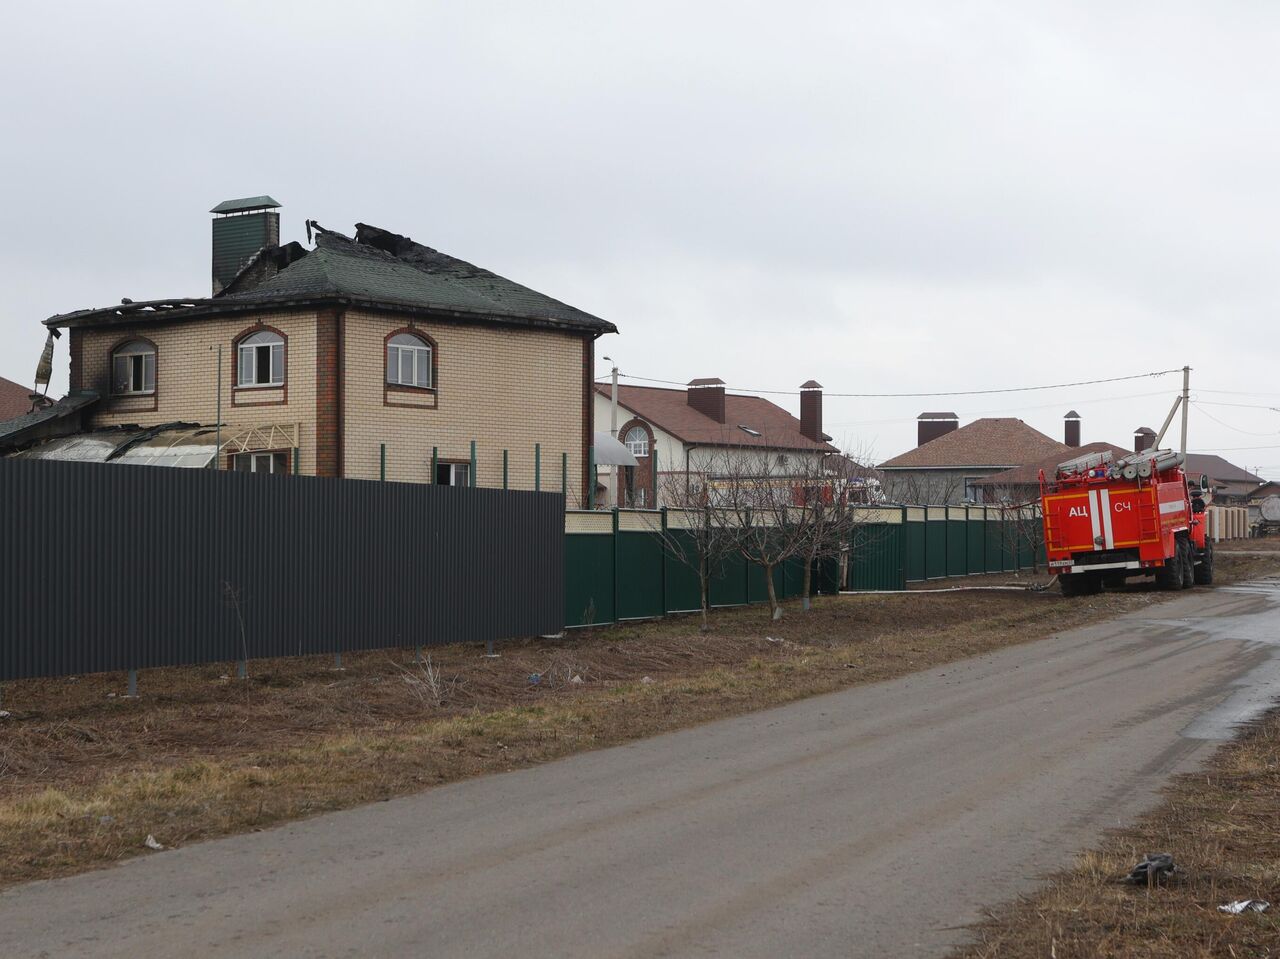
[130,567]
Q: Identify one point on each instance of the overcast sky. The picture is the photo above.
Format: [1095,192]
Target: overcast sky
[889,198]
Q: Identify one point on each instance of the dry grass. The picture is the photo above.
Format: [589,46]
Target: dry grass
[1222,827]
[86,775]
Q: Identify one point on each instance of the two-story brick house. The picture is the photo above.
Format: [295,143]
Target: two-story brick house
[367,356]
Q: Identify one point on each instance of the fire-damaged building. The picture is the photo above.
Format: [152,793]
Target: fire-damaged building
[365,356]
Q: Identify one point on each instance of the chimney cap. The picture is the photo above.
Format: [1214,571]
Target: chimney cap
[707,381]
[1144,431]
[1072,415]
[811,385]
[938,416]
[245,204]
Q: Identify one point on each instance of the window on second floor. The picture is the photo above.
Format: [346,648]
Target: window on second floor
[409,361]
[260,360]
[133,368]
[637,441]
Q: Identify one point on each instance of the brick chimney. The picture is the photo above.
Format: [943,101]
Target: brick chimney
[706,395]
[811,410]
[1071,429]
[1143,438]
[929,426]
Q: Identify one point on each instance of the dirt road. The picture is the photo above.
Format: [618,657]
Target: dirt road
[871,822]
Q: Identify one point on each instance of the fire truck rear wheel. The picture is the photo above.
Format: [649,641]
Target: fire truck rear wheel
[1169,576]
[1188,564]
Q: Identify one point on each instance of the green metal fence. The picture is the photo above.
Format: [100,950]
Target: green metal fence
[622,564]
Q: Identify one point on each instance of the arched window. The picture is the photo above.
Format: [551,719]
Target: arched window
[260,360]
[637,441]
[409,361]
[133,368]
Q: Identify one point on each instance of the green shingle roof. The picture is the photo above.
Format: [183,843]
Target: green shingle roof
[244,204]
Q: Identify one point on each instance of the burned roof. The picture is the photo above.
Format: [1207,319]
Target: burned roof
[992,441]
[1029,475]
[375,269]
[750,421]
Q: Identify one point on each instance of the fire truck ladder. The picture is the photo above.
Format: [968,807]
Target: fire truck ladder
[1148,518]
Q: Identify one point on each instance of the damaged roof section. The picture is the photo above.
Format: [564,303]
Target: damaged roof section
[376,269]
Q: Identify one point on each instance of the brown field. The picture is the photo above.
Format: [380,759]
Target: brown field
[1222,827]
[86,775]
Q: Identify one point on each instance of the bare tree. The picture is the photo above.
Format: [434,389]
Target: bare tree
[924,487]
[1019,522]
[757,499]
[696,534]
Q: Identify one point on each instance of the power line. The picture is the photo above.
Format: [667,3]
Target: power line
[885,396]
[1007,409]
[1237,429]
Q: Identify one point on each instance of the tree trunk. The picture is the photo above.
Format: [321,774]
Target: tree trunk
[706,596]
[775,607]
[808,585]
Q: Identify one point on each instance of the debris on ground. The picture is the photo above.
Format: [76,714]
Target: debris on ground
[152,843]
[535,679]
[4,714]
[576,680]
[774,639]
[1245,905]
[1155,868]
[647,680]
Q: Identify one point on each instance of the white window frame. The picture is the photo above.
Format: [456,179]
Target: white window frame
[250,351]
[637,447]
[456,471]
[418,352]
[264,461]
[136,353]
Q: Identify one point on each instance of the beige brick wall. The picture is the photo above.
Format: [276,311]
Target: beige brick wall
[504,388]
[187,376]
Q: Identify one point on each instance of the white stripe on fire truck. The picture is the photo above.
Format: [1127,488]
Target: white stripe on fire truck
[1106,519]
[1093,514]
[1171,506]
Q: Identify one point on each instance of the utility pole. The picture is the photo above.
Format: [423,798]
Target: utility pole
[1186,400]
[217,451]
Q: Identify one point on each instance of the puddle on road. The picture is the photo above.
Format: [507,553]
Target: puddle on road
[1258,690]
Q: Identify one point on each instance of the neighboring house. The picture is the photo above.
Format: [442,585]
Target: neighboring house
[1021,485]
[950,460]
[366,356]
[15,400]
[1255,499]
[705,431]
[1231,485]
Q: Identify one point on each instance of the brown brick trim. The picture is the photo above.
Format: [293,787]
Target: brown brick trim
[433,391]
[329,392]
[114,400]
[75,352]
[279,394]
[646,473]
[588,416]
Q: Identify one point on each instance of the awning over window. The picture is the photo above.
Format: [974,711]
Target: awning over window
[609,452]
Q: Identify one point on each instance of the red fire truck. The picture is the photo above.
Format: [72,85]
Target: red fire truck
[1107,519]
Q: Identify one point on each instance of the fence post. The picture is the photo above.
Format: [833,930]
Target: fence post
[537,467]
[504,469]
[435,464]
[133,684]
[564,474]
[382,462]
[663,543]
[473,465]
[616,611]
[296,456]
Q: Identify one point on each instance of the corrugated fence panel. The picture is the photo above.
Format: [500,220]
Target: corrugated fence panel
[935,556]
[877,555]
[976,540]
[588,578]
[729,585]
[122,567]
[957,539]
[640,575]
[684,589]
[914,544]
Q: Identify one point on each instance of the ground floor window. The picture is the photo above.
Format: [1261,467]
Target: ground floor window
[453,474]
[260,462]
